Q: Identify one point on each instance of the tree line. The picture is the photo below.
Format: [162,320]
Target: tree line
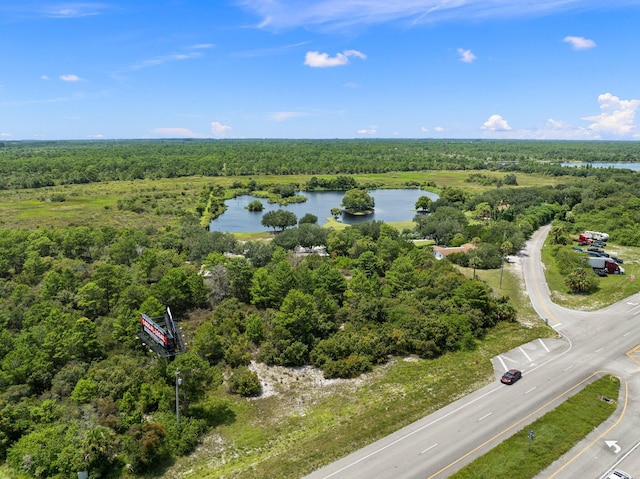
[33,164]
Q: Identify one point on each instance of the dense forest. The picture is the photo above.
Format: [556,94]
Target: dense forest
[37,164]
[80,391]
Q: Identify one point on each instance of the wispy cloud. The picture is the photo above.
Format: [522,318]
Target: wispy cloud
[323,60]
[372,130]
[169,132]
[62,99]
[580,43]
[466,56]
[189,53]
[70,78]
[75,10]
[153,62]
[346,14]
[63,10]
[286,115]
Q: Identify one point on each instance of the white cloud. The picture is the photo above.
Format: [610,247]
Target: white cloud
[176,133]
[218,129]
[580,43]
[70,78]
[97,136]
[323,60]
[466,56]
[44,77]
[6,135]
[372,130]
[285,115]
[439,129]
[616,118]
[496,123]
[424,129]
[345,15]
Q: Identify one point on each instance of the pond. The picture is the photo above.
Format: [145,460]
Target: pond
[390,206]
[628,166]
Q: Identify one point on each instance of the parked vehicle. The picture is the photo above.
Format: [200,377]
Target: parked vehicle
[578,249]
[606,264]
[594,249]
[616,259]
[617,474]
[601,244]
[596,235]
[601,272]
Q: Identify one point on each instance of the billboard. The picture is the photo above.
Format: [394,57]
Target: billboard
[154,330]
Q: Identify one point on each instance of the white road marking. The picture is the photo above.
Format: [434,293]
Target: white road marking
[429,448]
[504,366]
[525,354]
[567,368]
[527,392]
[485,416]
[544,345]
[599,349]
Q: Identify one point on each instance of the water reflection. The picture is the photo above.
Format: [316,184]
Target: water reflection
[391,205]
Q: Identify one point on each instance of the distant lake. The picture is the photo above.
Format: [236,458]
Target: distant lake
[390,206]
[628,166]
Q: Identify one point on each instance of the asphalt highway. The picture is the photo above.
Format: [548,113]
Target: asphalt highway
[589,345]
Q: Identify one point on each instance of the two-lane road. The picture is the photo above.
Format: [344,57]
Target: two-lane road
[592,343]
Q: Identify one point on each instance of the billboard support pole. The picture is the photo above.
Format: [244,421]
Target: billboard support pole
[178,382]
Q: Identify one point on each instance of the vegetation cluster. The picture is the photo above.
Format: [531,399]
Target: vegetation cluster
[79,391]
[25,164]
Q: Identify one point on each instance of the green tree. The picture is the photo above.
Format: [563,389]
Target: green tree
[423,204]
[358,201]
[255,205]
[279,219]
[308,219]
[581,281]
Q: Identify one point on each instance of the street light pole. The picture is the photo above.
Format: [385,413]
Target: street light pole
[178,382]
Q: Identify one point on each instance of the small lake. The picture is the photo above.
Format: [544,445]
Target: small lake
[390,206]
[628,166]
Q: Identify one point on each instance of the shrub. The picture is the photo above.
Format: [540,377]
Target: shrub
[244,382]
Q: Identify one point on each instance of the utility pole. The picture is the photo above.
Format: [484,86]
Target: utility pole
[178,383]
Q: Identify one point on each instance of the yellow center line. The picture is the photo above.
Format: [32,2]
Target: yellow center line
[624,409]
[504,431]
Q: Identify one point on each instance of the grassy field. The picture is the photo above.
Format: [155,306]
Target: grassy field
[165,199]
[611,289]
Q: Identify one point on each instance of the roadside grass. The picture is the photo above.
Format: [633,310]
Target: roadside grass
[555,433]
[269,439]
[611,289]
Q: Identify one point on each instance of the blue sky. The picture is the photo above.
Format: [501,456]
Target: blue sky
[511,69]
